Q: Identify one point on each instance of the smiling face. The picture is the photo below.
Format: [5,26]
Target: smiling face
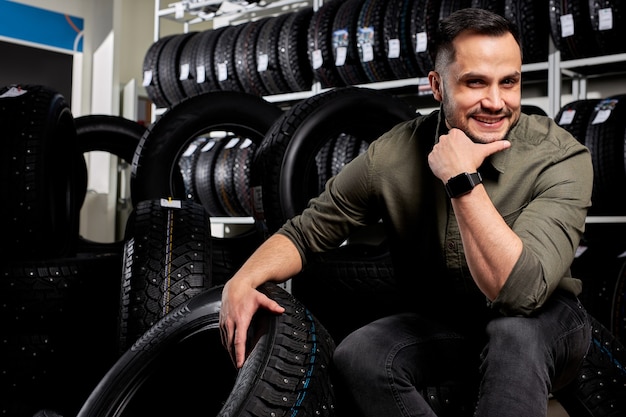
[481,88]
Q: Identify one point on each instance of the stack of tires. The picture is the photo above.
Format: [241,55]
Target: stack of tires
[353,42]
[58,292]
[600,125]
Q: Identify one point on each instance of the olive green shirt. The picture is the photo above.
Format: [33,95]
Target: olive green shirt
[541,186]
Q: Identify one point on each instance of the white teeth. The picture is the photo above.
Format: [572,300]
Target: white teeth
[486,120]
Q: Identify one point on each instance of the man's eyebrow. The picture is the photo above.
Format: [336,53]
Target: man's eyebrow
[471,75]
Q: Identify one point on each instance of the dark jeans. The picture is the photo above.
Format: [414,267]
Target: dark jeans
[384,365]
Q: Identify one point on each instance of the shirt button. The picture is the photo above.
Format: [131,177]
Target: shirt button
[451,245]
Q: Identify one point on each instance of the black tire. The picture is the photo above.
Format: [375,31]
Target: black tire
[533,22]
[205,60]
[155,172]
[608,39]
[267,56]
[581,43]
[320,45]
[151,70]
[606,139]
[371,41]
[292,50]
[574,117]
[423,22]
[113,134]
[284,171]
[344,28]
[224,62]
[618,306]
[39,170]
[206,190]
[600,388]
[246,58]
[396,27]
[167,260]
[169,68]
[287,371]
[188,69]
[58,320]
[362,274]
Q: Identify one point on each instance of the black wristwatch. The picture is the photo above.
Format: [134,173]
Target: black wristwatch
[462,184]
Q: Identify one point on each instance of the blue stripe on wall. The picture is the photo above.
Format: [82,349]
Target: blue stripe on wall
[32,24]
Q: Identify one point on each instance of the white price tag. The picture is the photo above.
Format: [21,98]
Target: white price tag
[190,150]
[222,71]
[170,203]
[340,57]
[200,74]
[567,25]
[231,143]
[184,72]
[421,42]
[317,59]
[210,144]
[567,117]
[367,52]
[262,62]
[147,78]
[605,19]
[13,92]
[601,116]
[394,48]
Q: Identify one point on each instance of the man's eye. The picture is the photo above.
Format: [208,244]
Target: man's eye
[475,83]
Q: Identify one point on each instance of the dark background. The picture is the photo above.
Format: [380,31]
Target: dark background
[20,64]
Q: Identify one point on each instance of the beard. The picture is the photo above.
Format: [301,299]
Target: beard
[461,122]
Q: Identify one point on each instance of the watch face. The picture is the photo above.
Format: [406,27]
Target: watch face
[459,185]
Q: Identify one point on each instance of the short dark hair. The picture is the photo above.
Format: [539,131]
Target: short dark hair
[480,21]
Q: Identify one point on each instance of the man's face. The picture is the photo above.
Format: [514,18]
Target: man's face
[481,89]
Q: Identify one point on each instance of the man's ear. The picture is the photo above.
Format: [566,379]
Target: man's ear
[436,85]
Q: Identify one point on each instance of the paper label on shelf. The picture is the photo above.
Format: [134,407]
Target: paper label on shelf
[13,92]
[567,117]
[605,19]
[222,71]
[184,72]
[147,78]
[421,42]
[200,74]
[341,53]
[317,59]
[168,202]
[394,48]
[601,116]
[567,25]
[262,62]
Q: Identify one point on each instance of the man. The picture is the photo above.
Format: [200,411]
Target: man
[484,208]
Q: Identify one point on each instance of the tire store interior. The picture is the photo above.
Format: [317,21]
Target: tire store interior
[149,147]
